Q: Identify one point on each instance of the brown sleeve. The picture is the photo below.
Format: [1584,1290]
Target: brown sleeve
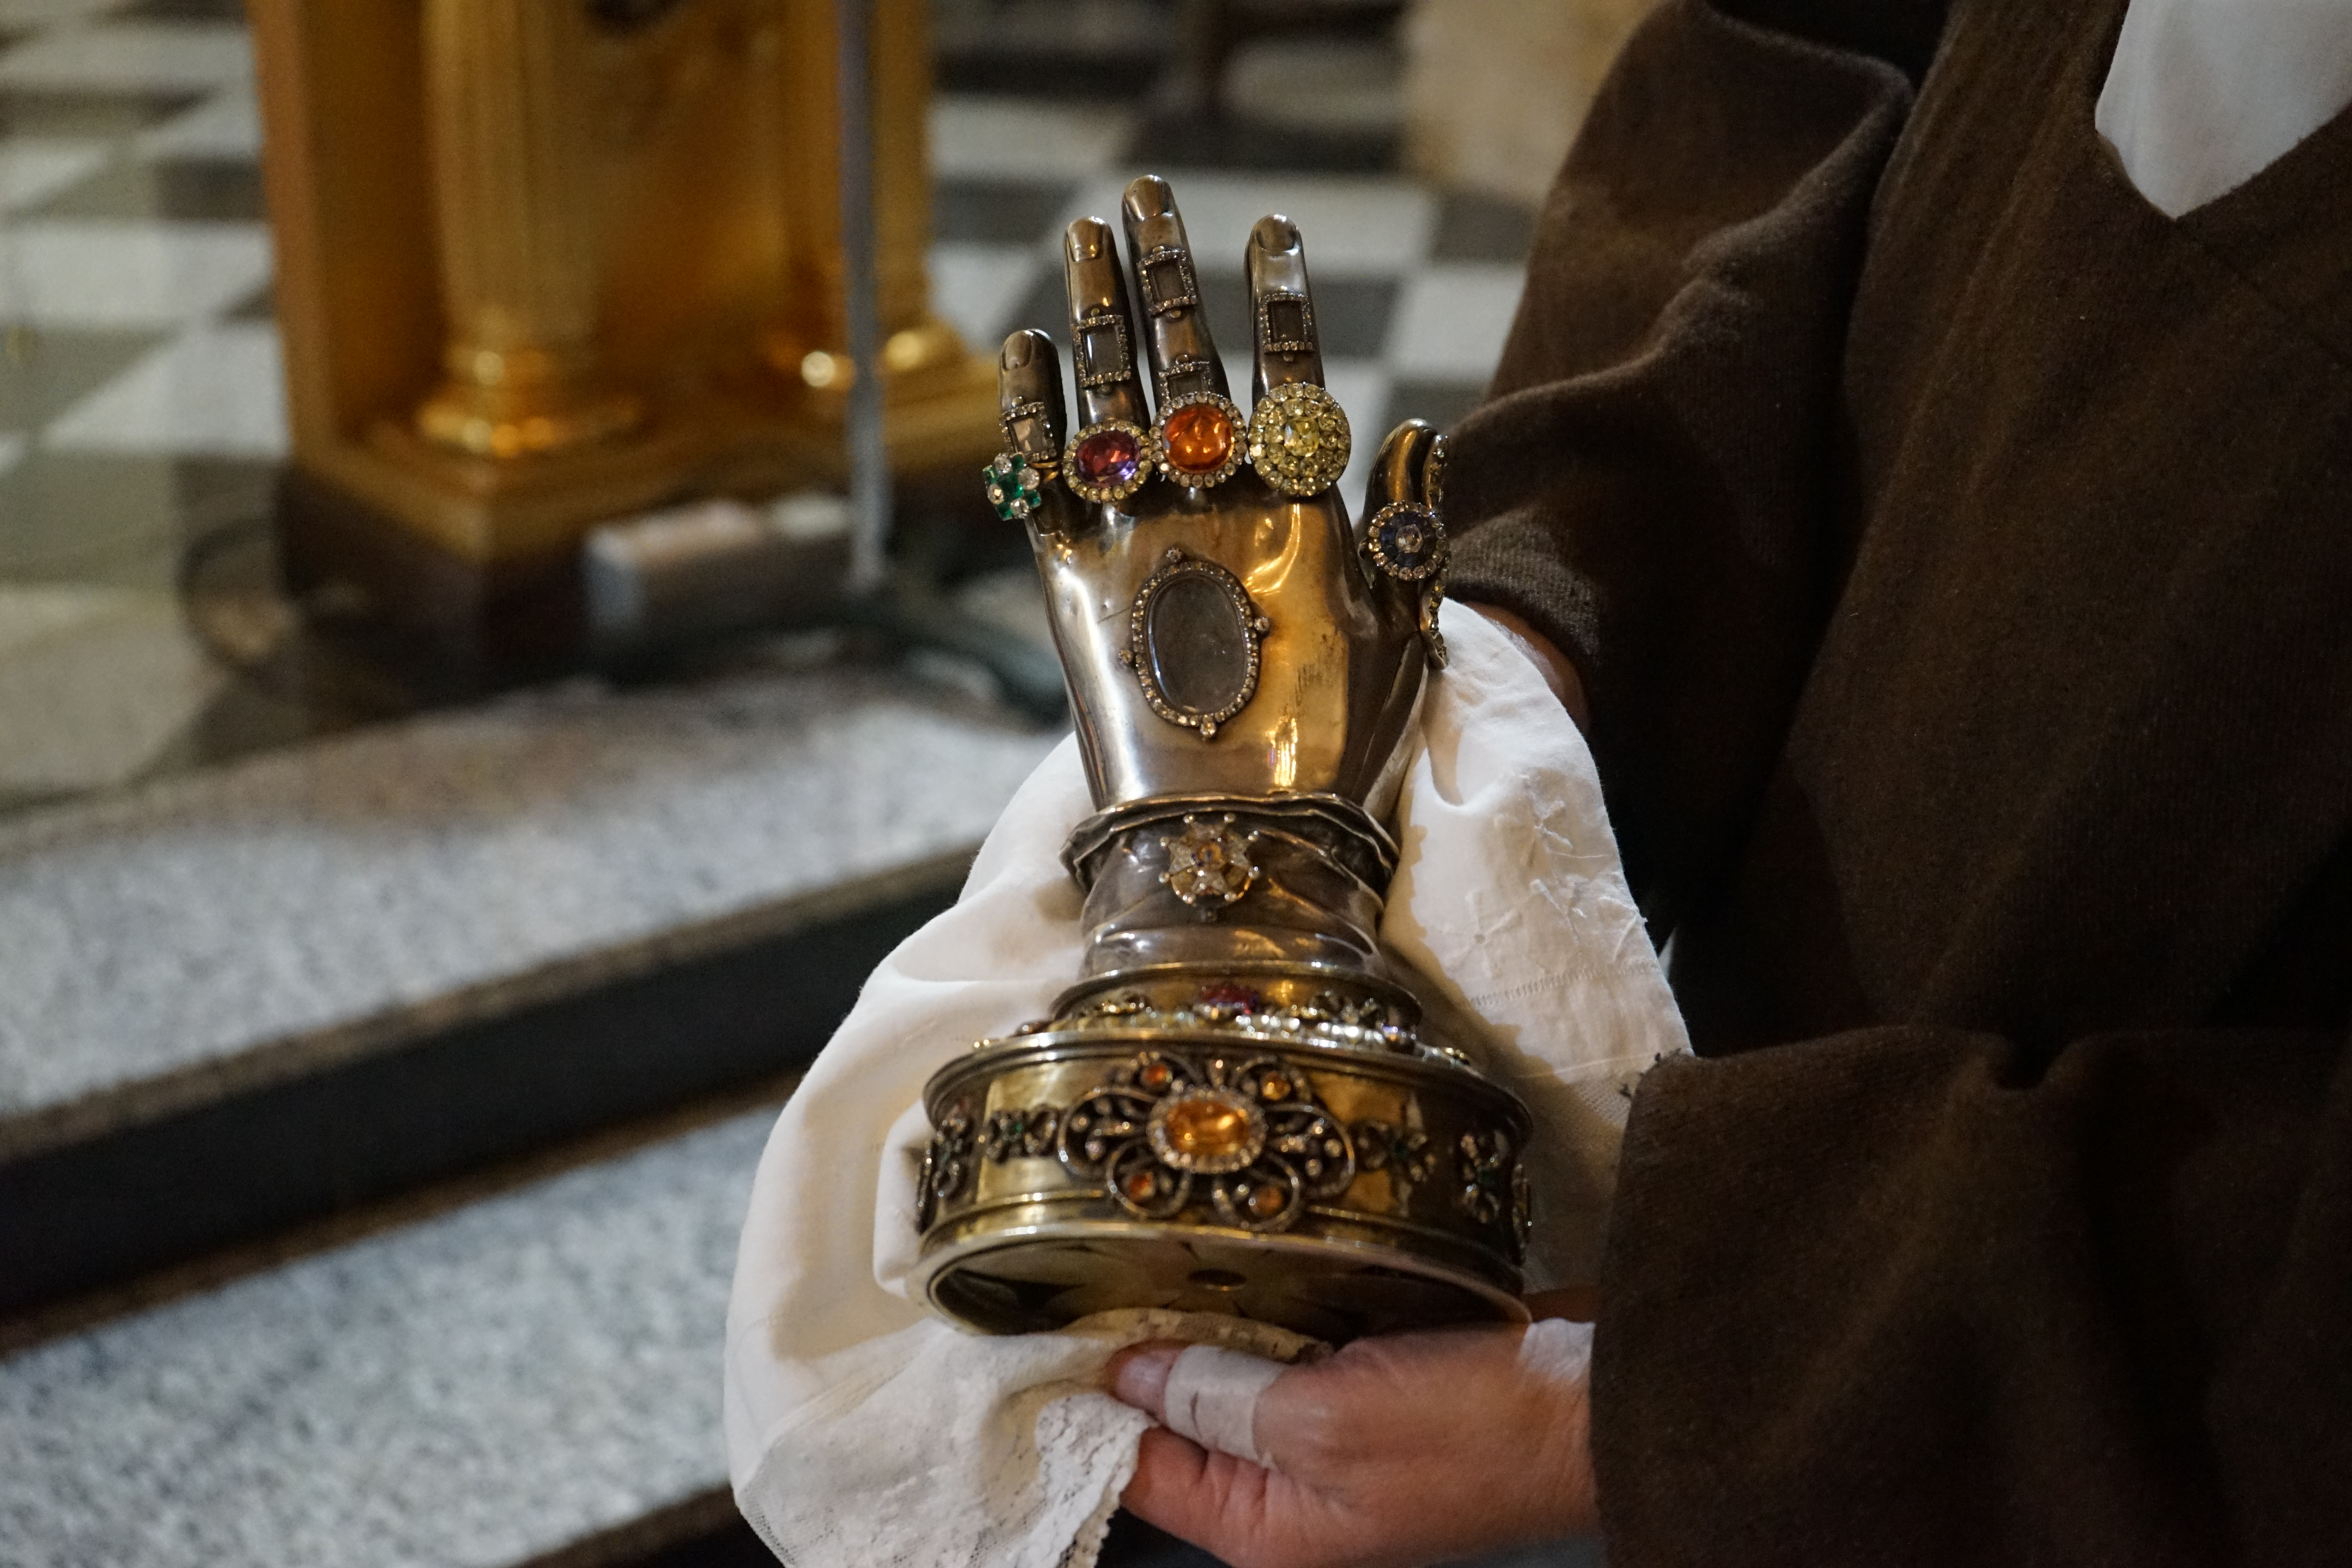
[1925,1302]
[1908,1295]
[1645,484]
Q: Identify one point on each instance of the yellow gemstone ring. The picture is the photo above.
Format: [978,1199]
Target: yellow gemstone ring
[1298,439]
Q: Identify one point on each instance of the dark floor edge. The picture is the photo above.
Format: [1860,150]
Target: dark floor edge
[123,1107]
[696,1530]
[530,1065]
[344,1228]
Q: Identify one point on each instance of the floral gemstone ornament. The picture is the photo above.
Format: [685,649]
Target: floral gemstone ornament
[1011,487]
[1265,1159]
[1208,1131]
[1209,866]
[1206,1127]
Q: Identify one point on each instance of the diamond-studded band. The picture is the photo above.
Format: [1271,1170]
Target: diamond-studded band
[1286,324]
[1165,276]
[1104,355]
[1033,409]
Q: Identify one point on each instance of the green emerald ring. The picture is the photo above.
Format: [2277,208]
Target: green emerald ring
[1012,485]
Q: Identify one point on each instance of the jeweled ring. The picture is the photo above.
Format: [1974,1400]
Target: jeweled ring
[1406,541]
[1199,439]
[1298,439]
[1012,485]
[1110,461]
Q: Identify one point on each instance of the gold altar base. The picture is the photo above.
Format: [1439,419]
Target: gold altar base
[470,570]
[938,413]
[529,404]
[532,268]
[453,626]
[1263,1144]
[759,435]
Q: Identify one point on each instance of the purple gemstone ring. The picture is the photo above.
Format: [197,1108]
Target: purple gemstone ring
[1110,461]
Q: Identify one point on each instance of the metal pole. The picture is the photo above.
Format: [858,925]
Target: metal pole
[869,462]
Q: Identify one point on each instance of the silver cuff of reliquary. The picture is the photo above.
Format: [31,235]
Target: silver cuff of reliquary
[1237,1108]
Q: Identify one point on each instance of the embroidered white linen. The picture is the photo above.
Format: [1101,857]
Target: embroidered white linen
[862,1431]
[2203,95]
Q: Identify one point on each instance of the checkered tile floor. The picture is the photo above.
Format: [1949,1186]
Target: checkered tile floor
[141,402]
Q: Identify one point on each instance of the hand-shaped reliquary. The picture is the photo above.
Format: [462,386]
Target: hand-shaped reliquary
[1237,1108]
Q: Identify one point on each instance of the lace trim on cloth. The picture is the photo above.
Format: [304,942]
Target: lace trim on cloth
[1033,1482]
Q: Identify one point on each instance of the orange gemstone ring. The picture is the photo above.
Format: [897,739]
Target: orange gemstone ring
[1201,441]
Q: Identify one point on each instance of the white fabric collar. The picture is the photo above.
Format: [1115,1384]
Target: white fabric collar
[2203,95]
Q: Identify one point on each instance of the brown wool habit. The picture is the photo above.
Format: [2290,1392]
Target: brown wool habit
[1958,554]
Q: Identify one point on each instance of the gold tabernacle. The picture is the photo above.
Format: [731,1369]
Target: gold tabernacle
[1237,1108]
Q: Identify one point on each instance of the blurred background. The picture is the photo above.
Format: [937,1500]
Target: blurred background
[448,785]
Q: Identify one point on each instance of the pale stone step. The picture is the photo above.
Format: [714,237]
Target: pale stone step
[471,1391]
[321,975]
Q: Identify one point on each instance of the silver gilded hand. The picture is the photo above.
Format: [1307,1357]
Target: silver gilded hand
[1220,638]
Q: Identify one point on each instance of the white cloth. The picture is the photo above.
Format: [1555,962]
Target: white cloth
[2203,95]
[861,1431]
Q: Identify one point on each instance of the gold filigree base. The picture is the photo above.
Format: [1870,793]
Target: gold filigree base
[1226,1156]
[1054,1270]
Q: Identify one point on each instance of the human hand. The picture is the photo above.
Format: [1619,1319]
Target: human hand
[1224,628]
[1398,1451]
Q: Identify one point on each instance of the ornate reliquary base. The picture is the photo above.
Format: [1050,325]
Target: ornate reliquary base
[1282,1144]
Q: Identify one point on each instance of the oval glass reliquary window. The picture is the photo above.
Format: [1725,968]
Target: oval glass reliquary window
[1193,642]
